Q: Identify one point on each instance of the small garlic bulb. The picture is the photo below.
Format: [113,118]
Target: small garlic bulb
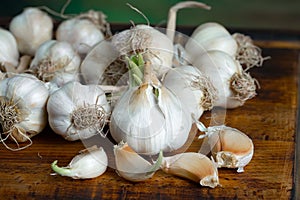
[234,85]
[23,107]
[192,87]
[9,54]
[194,166]
[210,36]
[78,111]
[131,166]
[53,58]
[230,147]
[90,163]
[31,28]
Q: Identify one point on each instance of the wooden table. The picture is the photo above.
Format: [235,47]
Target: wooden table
[270,119]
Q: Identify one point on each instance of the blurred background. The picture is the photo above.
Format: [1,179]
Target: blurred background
[255,14]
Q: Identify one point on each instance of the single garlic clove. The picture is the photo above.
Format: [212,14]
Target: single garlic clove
[194,166]
[131,166]
[233,148]
[91,163]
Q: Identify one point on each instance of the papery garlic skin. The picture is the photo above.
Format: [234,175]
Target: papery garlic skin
[31,28]
[194,166]
[9,54]
[88,102]
[147,122]
[131,166]
[89,164]
[54,58]
[82,34]
[30,96]
[210,36]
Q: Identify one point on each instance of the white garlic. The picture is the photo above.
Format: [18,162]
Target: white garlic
[31,28]
[90,163]
[54,58]
[194,166]
[230,147]
[210,36]
[9,54]
[131,166]
[22,107]
[233,84]
[192,87]
[78,111]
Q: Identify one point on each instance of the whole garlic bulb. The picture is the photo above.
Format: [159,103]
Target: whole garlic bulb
[9,54]
[31,28]
[210,36]
[53,58]
[23,101]
[78,111]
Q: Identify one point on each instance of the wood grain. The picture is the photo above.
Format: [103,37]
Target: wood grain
[270,119]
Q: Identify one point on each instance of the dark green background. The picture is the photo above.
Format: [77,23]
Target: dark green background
[251,14]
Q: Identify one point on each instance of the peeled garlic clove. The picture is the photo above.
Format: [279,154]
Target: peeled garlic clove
[9,54]
[231,147]
[31,28]
[131,166]
[194,166]
[89,164]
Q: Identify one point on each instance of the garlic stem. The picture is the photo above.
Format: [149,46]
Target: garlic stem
[61,170]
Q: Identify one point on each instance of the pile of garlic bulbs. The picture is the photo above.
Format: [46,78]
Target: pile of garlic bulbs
[141,85]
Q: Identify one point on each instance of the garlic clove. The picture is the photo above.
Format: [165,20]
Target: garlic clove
[194,166]
[91,163]
[131,166]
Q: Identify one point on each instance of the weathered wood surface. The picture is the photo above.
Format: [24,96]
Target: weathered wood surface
[270,119]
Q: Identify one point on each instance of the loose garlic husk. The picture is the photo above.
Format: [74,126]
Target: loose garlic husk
[9,54]
[90,163]
[31,28]
[23,108]
[131,166]
[77,111]
[194,166]
[54,58]
[230,147]
[83,31]
[192,87]
[234,85]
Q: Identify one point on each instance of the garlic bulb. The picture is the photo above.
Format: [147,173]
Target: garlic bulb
[53,58]
[230,147]
[83,31]
[9,54]
[194,166]
[233,84]
[193,88]
[23,108]
[210,36]
[78,111]
[131,166]
[150,118]
[31,28]
[90,163]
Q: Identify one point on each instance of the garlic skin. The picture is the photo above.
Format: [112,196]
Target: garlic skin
[23,106]
[234,86]
[131,166]
[31,28]
[91,163]
[210,36]
[194,166]
[53,58]
[9,54]
[77,111]
[187,82]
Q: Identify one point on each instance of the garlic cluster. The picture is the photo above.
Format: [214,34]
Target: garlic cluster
[9,54]
[23,101]
[31,28]
[77,111]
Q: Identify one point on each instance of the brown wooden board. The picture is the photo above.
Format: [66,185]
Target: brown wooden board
[270,119]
